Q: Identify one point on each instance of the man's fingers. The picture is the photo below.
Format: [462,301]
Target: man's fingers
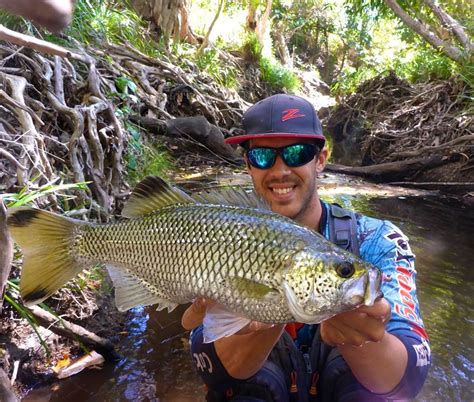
[195,313]
[380,309]
[254,326]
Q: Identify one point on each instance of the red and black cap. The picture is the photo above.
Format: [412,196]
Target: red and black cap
[280,116]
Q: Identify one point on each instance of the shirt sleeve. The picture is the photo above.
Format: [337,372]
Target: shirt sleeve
[384,245]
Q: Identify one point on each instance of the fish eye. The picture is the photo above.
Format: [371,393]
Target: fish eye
[345,270]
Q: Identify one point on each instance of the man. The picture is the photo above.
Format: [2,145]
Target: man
[371,353]
[54,15]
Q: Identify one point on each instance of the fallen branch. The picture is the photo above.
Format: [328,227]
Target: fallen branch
[72,331]
[453,187]
[37,44]
[390,170]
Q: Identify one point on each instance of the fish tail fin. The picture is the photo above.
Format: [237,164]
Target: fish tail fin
[45,239]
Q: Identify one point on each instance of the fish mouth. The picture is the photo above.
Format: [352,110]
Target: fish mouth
[365,289]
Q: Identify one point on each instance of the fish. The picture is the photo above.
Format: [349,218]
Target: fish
[172,247]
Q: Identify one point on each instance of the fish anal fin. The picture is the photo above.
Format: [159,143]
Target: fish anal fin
[151,194]
[131,291]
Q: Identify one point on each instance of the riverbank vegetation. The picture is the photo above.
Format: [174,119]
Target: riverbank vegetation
[130,89]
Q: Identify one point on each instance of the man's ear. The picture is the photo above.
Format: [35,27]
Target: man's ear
[321,160]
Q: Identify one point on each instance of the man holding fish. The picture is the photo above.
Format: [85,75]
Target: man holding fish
[258,271]
[370,353]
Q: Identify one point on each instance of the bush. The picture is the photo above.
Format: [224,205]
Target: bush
[277,76]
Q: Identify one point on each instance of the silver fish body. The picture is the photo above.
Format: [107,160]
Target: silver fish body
[253,262]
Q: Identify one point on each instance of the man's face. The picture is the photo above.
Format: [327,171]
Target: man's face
[289,191]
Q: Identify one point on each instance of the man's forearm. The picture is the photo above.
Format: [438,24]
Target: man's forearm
[378,366]
[243,355]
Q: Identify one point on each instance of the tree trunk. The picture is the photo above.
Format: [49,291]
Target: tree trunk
[282,47]
[205,42]
[392,171]
[258,24]
[170,18]
[434,40]
[452,25]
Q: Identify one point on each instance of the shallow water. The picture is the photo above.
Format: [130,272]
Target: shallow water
[157,366]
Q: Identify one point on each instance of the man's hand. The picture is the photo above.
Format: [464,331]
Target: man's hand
[54,15]
[357,327]
[244,353]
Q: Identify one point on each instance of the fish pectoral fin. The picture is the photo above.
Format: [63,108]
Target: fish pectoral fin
[151,194]
[130,291]
[253,289]
[219,323]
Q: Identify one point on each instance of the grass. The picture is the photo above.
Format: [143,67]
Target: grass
[144,160]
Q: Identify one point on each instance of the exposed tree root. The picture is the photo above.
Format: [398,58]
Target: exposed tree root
[64,116]
[389,120]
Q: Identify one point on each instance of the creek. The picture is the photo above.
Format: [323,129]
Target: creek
[156,364]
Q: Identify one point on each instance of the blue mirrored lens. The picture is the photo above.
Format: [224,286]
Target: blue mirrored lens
[298,154]
[262,158]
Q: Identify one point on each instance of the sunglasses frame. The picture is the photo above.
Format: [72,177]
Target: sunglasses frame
[279,152]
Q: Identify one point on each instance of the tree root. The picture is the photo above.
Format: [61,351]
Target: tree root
[63,115]
[395,120]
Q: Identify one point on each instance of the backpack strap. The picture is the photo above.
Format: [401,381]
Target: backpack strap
[343,228]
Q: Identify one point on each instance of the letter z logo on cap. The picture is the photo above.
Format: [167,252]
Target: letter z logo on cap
[291,114]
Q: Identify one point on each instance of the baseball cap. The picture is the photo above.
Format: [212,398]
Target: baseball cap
[280,116]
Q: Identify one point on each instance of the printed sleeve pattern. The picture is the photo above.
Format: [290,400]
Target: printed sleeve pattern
[386,246]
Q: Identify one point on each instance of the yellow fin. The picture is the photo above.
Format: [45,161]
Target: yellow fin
[151,194]
[45,239]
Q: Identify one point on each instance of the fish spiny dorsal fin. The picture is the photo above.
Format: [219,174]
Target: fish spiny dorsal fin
[151,194]
[237,197]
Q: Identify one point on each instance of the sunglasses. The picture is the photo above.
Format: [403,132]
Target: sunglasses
[293,155]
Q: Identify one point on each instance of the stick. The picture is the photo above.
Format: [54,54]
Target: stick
[38,44]
[73,331]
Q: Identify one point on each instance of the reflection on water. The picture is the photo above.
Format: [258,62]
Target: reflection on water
[441,235]
[156,364]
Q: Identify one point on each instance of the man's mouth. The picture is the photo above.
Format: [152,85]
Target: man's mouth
[282,191]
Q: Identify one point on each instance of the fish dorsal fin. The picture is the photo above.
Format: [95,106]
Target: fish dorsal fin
[151,194]
[233,196]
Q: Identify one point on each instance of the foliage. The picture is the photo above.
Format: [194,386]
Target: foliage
[277,76]
[252,49]
[144,160]
[27,196]
[208,61]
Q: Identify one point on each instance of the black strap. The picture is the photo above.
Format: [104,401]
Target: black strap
[343,229]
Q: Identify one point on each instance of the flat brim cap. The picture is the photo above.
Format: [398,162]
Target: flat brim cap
[280,116]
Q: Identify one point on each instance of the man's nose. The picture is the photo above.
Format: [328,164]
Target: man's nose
[280,167]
